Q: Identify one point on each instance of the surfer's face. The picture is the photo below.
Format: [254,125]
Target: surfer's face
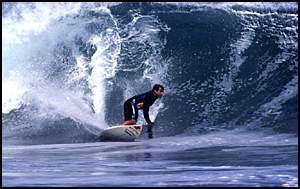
[159,92]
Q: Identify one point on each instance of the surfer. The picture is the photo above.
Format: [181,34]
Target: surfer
[142,101]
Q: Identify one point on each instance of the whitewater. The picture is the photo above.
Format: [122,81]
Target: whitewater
[229,116]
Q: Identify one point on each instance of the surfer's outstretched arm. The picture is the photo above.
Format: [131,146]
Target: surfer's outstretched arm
[146,115]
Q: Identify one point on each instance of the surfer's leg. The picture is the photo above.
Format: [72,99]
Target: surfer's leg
[128,113]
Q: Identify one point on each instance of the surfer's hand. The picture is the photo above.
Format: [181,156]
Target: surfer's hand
[140,105]
[149,130]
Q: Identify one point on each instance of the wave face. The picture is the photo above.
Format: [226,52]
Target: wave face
[68,67]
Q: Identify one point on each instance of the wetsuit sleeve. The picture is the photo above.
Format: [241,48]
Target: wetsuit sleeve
[146,115]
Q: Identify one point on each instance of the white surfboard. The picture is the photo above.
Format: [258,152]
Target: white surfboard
[121,133]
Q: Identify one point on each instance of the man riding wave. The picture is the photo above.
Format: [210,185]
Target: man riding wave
[142,101]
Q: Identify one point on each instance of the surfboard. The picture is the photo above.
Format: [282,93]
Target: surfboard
[126,133]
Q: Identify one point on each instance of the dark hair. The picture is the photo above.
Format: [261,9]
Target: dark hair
[157,86]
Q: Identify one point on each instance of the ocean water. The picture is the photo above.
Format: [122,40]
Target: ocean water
[216,159]
[229,116]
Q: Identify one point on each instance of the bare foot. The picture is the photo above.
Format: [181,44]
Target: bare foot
[129,122]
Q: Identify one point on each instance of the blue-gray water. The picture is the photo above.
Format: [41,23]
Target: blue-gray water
[208,160]
[229,116]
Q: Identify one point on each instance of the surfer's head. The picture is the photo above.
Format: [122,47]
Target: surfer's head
[158,90]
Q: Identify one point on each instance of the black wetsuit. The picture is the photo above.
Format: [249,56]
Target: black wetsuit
[130,106]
